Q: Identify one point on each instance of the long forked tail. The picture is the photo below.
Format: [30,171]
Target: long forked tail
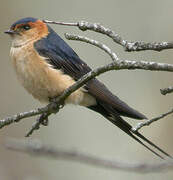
[124,126]
[114,117]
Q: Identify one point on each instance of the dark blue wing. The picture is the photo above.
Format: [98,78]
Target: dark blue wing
[61,56]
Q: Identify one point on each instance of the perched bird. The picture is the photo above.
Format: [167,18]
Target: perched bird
[46,65]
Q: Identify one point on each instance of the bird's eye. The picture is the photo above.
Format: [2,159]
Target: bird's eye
[26,27]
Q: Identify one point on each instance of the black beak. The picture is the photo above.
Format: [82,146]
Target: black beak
[11,32]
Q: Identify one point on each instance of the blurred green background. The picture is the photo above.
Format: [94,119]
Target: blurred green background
[80,128]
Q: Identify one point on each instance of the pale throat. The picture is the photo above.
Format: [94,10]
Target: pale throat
[20,41]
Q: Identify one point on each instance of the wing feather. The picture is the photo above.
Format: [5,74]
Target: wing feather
[61,56]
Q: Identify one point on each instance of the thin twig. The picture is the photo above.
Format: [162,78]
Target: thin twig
[128,46]
[148,122]
[51,108]
[37,148]
[93,42]
[166,91]
[60,23]
[42,119]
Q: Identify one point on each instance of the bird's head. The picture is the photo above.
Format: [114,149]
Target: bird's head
[26,30]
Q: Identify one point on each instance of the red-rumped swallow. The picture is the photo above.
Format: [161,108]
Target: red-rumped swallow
[46,65]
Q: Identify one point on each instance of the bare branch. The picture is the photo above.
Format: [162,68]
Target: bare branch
[148,122]
[166,90]
[93,42]
[128,46]
[38,149]
[122,64]
[42,119]
[16,118]
[60,23]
